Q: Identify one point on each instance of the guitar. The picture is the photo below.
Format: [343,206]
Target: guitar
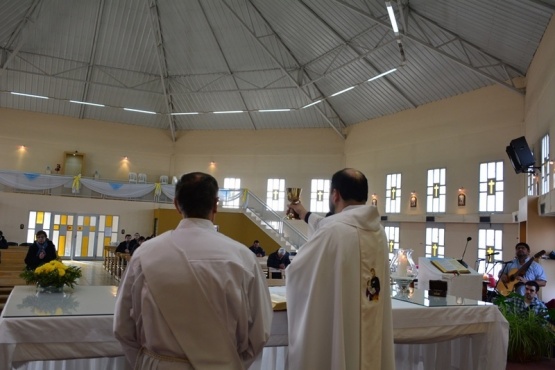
[506,288]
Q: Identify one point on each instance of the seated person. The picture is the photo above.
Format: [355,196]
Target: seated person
[257,249]
[3,241]
[127,245]
[40,252]
[139,242]
[530,301]
[278,260]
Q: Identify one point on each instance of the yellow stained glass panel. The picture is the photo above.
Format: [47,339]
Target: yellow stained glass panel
[63,221]
[40,218]
[79,228]
[61,245]
[87,221]
[69,227]
[92,229]
[56,227]
[85,246]
[109,220]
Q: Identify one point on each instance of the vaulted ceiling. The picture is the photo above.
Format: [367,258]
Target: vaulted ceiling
[265,60]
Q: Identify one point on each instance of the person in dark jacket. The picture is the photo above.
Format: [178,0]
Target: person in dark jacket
[40,252]
[3,241]
[279,259]
[257,249]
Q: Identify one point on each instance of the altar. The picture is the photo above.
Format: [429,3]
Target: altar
[74,330]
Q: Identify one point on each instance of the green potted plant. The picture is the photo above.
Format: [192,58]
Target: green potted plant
[531,335]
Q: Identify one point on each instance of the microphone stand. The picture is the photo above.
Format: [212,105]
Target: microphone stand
[461,261]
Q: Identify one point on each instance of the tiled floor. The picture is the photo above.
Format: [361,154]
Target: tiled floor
[93,273]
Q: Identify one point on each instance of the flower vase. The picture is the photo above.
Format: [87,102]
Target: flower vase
[403,269]
[48,289]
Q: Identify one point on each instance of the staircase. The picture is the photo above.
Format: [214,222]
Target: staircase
[269,221]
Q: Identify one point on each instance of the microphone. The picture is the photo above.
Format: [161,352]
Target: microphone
[491,254]
[461,261]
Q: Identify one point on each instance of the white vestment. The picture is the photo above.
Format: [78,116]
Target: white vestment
[166,311]
[333,322]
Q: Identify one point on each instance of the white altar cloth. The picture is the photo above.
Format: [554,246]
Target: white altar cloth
[77,331]
[450,337]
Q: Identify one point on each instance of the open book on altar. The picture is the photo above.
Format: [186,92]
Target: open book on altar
[450,265]
[277,294]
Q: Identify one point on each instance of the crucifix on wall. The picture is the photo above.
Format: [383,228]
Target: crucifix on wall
[491,186]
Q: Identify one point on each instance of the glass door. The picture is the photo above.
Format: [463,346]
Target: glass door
[76,236]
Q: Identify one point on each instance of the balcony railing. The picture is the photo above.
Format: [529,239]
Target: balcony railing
[77,186]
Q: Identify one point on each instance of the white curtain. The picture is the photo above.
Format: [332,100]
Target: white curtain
[33,181]
[118,189]
[37,181]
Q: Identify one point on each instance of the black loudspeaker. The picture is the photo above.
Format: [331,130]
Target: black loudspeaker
[520,155]
[430,219]
[384,218]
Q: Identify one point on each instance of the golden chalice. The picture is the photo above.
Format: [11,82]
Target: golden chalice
[293,196]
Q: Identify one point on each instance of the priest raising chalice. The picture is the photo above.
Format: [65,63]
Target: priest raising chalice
[293,196]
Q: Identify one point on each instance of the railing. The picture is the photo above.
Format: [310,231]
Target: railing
[77,186]
[273,220]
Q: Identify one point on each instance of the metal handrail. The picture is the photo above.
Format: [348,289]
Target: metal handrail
[274,221]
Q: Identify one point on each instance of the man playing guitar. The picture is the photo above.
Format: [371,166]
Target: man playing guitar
[516,274]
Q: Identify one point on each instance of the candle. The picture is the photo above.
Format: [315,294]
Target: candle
[403,265]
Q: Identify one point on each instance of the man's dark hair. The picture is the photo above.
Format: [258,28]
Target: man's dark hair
[195,194]
[42,232]
[534,284]
[524,245]
[351,185]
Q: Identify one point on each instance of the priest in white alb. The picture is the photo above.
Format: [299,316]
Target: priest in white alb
[193,298]
[334,322]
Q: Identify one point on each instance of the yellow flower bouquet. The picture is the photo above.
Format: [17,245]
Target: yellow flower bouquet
[52,274]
